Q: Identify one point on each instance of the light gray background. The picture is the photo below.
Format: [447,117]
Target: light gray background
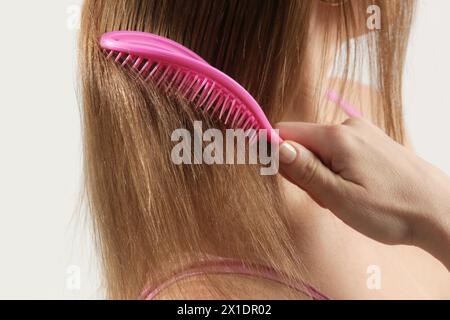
[42,232]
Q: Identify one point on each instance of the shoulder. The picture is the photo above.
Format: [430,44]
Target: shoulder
[230,287]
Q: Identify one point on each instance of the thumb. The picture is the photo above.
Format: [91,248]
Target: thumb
[303,168]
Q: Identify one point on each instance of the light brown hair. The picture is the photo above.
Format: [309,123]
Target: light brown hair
[151,216]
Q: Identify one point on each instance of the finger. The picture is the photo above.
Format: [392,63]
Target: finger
[303,168]
[314,137]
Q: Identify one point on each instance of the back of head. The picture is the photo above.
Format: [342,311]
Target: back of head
[152,216]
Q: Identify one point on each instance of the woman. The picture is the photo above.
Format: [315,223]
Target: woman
[224,231]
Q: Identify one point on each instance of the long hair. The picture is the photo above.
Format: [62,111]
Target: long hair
[152,216]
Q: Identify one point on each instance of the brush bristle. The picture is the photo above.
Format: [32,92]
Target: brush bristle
[205,94]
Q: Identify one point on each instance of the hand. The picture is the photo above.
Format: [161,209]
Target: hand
[373,184]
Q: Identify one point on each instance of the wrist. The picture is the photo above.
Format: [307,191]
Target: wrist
[434,225]
[438,243]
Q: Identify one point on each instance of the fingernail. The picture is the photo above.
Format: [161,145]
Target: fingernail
[288,153]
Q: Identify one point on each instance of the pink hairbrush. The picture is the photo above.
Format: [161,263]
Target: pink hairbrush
[168,63]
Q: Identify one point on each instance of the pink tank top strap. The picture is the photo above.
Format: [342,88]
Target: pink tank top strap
[232,266]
